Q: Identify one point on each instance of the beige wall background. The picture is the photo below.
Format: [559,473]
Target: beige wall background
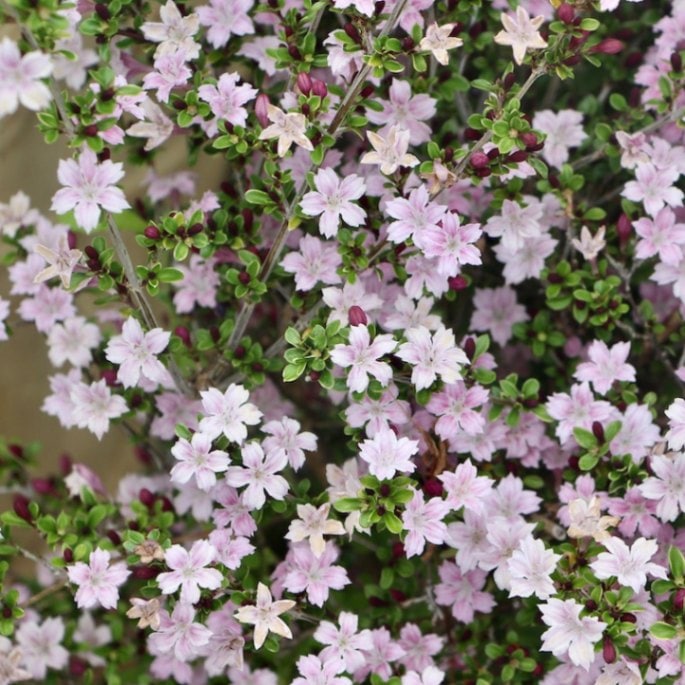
[28,164]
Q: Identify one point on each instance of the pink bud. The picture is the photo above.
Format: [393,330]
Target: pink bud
[566,13]
[304,83]
[609,46]
[608,650]
[624,228]
[357,316]
[261,109]
[319,88]
[479,160]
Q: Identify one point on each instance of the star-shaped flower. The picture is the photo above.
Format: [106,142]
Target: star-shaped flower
[438,41]
[521,33]
[265,615]
[288,127]
[390,152]
[60,263]
[588,245]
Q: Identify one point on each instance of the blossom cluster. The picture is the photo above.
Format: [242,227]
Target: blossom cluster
[406,389]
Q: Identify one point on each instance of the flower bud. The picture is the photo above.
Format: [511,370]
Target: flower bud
[624,228]
[628,618]
[679,599]
[676,62]
[294,52]
[146,497]
[397,595]
[21,507]
[433,488]
[379,7]
[152,233]
[184,334]
[304,83]
[351,31]
[319,88]
[68,555]
[479,160]
[566,13]
[457,283]
[357,316]
[261,109]
[43,486]
[470,134]
[598,431]
[517,157]
[509,81]
[608,650]
[398,550]
[609,46]
[144,572]
[469,348]
[110,376]
[114,537]
[102,11]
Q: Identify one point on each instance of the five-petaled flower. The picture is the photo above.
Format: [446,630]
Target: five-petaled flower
[265,615]
[98,581]
[521,33]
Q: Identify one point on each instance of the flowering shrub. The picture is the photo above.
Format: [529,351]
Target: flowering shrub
[408,388]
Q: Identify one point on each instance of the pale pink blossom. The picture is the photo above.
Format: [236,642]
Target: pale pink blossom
[98,581]
[316,260]
[196,459]
[465,488]
[47,307]
[390,152]
[226,18]
[579,409]
[20,78]
[227,99]
[438,40]
[654,188]
[230,550]
[312,524]
[286,435]
[563,130]
[629,565]
[73,342]
[94,406]
[667,486]
[496,311]
[429,676]
[463,592]
[661,235]
[89,187]
[171,71]
[676,424]
[315,575]
[135,351]
[259,474]
[386,454]
[423,521]
[419,649]
[376,415]
[515,224]
[452,244]
[189,572]
[231,512]
[568,633]
[288,127]
[607,365]
[344,645]
[530,567]
[521,33]
[413,215]
[179,635]
[228,413]
[157,127]
[16,214]
[61,263]
[313,669]
[174,33]
[41,646]
[379,653]
[362,356]
[455,406]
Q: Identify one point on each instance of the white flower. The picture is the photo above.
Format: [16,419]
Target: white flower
[288,127]
[587,521]
[265,616]
[438,41]
[313,523]
[588,245]
[390,152]
[521,33]
[630,565]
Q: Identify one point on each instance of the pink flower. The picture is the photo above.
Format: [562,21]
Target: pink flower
[504,537]
[47,307]
[232,513]
[333,200]
[265,615]
[344,644]
[419,649]
[61,262]
[568,633]
[20,78]
[654,188]
[197,459]
[94,406]
[386,454]
[526,261]
[230,550]
[288,127]
[671,273]
[317,260]
[174,33]
[423,521]
[404,111]
[510,500]
[226,18]
[286,435]
[465,488]
[390,152]
[451,244]
[413,215]
[530,568]
[136,353]
[606,366]
[563,130]
[660,236]
[98,581]
[179,634]
[629,565]
[362,355]
[429,676]
[313,670]
[259,474]
[188,571]
[379,653]
[313,523]
[226,98]
[455,406]
[40,646]
[316,576]
[156,127]
[496,311]
[170,71]
[676,424]
[199,285]
[228,413]
[89,188]
[667,486]
[377,415]
[515,224]
[432,355]
[463,592]
[636,513]
[577,410]
[73,342]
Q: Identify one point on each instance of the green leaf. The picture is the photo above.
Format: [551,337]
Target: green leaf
[676,563]
[392,522]
[257,197]
[169,275]
[292,372]
[662,630]
[348,504]
[585,438]
[589,24]
[588,462]
[387,578]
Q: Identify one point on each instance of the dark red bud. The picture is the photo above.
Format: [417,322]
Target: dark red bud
[319,88]
[104,155]
[146,497]
[114,537]
[470,347]
[110,376]
[304,83]
[676,62]
[572,61]
[68,555]
[167,504]
[566,13]
[102,11]
[517,157]
[184,334]
[357,316]
[143,455]
[509,81]
[598,431]
[144,572]
[398,550]
[470,134]
[294,52]
[628,618]
[398,595]
[65,464]
[530,139]
[608,650]
[432,487]
[379,7]
[494,153]
[91,252]
[351,31]
[90,131]
[77,666]
[624,228]
[609,46]
[152,232]
[244,277]
[479,160]
[679,599]
[43,486]
[261,109]
[407,44]
[72,240]
[21,507]
[457,283]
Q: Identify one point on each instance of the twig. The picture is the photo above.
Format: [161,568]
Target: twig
[45,592]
